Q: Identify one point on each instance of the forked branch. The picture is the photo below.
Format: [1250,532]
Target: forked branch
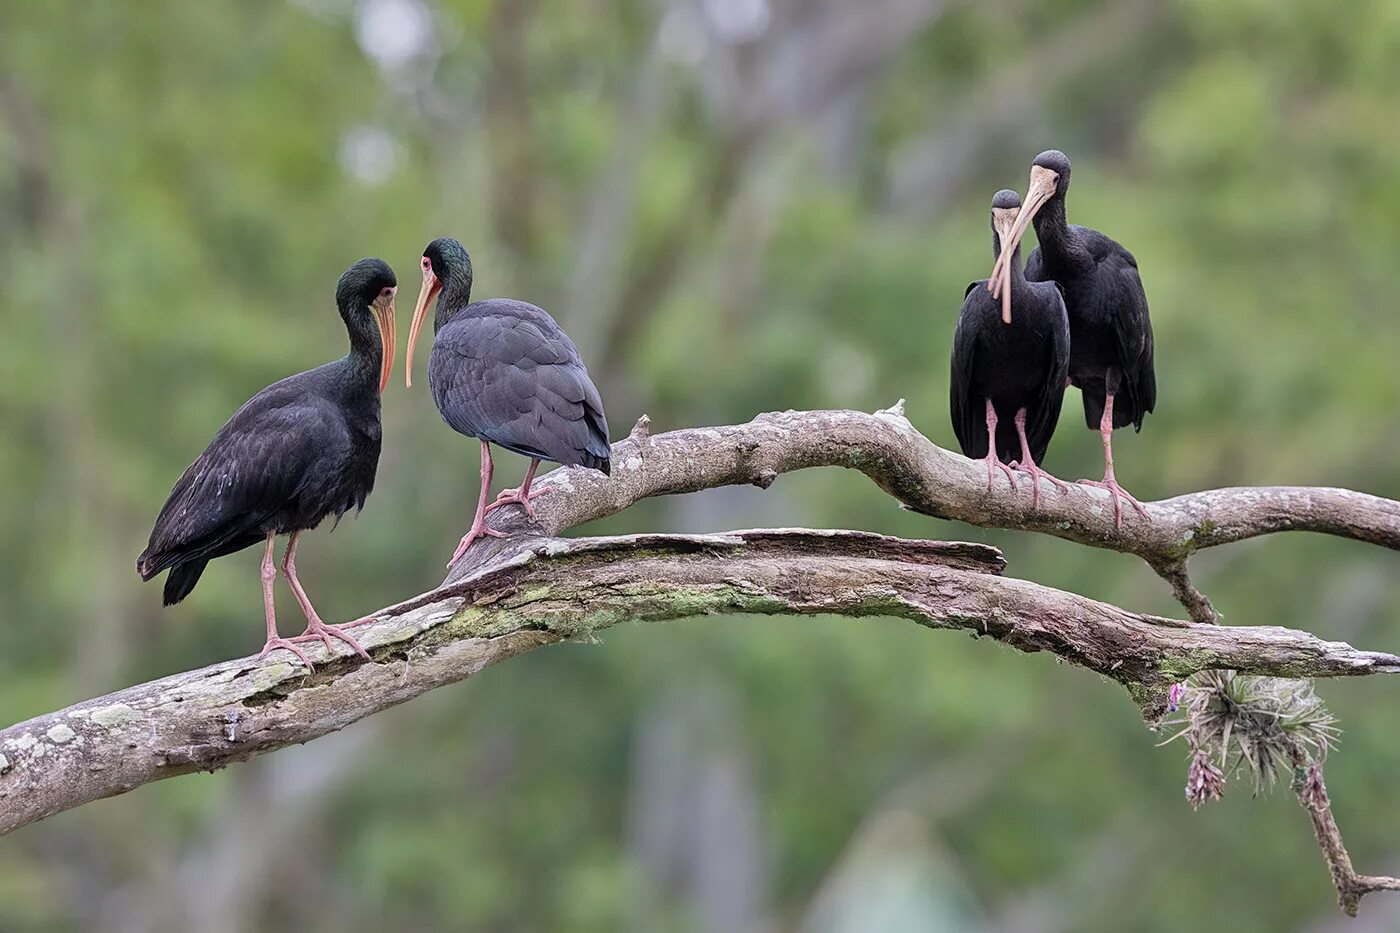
[534,588]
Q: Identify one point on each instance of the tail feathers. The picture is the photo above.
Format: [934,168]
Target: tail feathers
[598,456]
[595,462]
[182,580]
[149,564]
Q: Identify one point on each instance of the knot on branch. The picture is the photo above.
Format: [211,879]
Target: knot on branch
[894,411]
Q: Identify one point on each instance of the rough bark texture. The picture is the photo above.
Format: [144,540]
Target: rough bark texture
[926,478]
[205,719]
[534,588]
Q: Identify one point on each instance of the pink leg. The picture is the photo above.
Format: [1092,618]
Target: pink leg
[479,528]
[315,628]
[1116,492]
[993,462]
[1027,463]
[269,577]
[523,495]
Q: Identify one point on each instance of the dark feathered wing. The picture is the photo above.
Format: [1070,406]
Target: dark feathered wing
[968,413]
[1134,331]
[252,472]
[1045,409]
[505,372]
[1133,328]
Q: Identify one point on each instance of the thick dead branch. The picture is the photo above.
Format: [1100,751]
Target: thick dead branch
[534,588]
[927,478]
[202,720]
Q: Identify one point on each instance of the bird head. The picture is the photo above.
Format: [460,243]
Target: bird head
[444,260]
[370,284]
[1049,177]
[1006,208]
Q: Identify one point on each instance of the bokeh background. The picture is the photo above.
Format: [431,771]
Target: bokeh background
[733,206]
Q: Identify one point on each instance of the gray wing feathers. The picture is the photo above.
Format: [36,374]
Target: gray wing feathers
[513,378]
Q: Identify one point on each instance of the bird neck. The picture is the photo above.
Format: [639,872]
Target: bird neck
[1018,274]
[366,351]
[456,295]
[1059,247]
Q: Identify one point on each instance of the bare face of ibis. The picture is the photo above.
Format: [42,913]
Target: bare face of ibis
[382,307]
[1049,173]
[427,294]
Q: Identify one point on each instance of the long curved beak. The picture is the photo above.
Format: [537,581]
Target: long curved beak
[1004,222]
[426,295]
[383,309]
[1040,190]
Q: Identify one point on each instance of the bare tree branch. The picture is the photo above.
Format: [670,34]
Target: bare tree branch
[557,589]
[1312,794]
[513,595]
[927,478]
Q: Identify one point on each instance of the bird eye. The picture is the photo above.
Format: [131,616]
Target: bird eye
[385,292]
[427,263]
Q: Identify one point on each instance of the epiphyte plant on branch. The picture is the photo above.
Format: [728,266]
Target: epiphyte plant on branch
[509,375]
[537,588]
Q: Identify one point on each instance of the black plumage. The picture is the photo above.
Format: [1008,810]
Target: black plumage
[1111,361]
[1008,379]
[302,449]
[504,372]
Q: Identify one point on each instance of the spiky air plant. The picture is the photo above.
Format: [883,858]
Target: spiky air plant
[1266,726]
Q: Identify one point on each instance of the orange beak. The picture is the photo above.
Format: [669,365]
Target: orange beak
[383,309]
[426,295]
[1041,189]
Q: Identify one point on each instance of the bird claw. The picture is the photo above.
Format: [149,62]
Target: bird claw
[1036,474]
[1117,493]
[325,632]
[513,496]
[993,462]
[272,644]
[478,531]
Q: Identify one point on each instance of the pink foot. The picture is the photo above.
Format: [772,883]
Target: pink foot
[479,530]
[1036,475]
[272,644]
[325,632]
[512,496]
[1118,493]
[994,464]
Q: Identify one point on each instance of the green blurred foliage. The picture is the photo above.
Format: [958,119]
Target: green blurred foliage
[727,221]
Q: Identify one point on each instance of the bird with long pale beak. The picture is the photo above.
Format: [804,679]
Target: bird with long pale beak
[303,449]
[1008,377]
[504,372]
[1111,345]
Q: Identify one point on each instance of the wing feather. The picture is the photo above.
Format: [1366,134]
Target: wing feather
[968,424]
[254,468]
[510,375]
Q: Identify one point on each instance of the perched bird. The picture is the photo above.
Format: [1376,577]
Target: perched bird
[298,451]
[1008,376]
[1110,331]
[504,372]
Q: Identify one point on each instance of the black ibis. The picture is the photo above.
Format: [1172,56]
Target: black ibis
[1110,331]
[1009,365]
[300,450]
[504,372]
